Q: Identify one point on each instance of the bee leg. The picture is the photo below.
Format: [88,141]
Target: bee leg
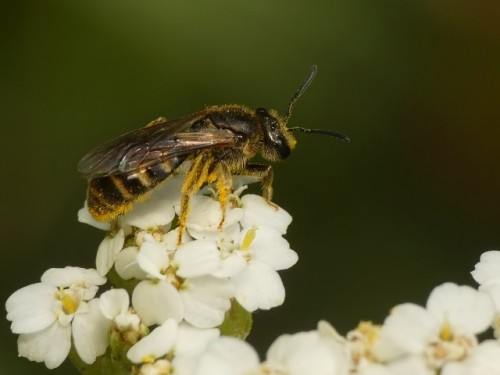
[265,173]
[196,176]
[224,183]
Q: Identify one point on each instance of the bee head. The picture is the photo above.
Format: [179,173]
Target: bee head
[278,142]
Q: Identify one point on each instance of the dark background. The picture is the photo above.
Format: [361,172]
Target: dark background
[410,203]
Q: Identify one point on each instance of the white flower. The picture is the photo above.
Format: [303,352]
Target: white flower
[314,353]
[205,217]
[306,353]
[155,301]
[85,217]
[258,212]
[360,344]
[190,343]
[184,342]
[484,359]
[259,286]
[206,300]
[114,306]
[182,288]
[155,345]
[413,364]
[108,250]
[487,271]
[43,314]
[444,332]
[91,332]
[229,356]
[126,265]
[487,274]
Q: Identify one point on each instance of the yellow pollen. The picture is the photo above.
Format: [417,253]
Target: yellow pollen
[69,304]
[148,359]
[446,333]
[249,237]
[370,331]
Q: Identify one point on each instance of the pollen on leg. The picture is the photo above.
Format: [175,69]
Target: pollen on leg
[196,176]
[224,186]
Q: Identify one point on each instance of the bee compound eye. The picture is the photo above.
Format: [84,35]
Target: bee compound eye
[282,148]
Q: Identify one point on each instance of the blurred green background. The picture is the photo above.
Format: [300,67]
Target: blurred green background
[410,203]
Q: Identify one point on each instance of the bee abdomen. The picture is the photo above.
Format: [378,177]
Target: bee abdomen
[110,196]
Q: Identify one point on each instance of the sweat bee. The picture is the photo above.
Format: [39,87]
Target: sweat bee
[219,141]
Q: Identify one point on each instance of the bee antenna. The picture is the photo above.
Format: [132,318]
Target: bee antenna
[328,132]
[301,90]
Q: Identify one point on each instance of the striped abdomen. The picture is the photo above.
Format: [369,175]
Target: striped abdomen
[110,196]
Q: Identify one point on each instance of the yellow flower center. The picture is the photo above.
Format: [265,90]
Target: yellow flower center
[248,239]
[69,300]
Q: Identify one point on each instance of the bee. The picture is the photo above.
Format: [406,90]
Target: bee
[219,141]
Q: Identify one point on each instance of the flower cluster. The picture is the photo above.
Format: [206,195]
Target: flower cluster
[180,288]
[438,339]
[183,305]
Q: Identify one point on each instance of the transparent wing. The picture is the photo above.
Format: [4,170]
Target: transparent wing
[152,145]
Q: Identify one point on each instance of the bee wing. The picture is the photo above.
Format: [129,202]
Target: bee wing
[151,145]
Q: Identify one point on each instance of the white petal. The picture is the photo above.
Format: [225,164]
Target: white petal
[206,214]
[31,308]
[85,217]
[114,302]
[50,345]
[153,259]
[410,365]
[409,327]
[159,342]
[484,359]
[108,251]
[494,291]
[68,276]
[465,308]
[487,271]
[258,212]
[454,368]
[185,364]
[304,353]
[126,264]
[230,265]
[197,258]
[227,232]
[269,247]
[128,321]
[377,369]
[91,333]
[152,213]
[170,239]
[193,341]
[171,189]
[329,333]
[229,356]
[155,302]
[206,299]
[259,287]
